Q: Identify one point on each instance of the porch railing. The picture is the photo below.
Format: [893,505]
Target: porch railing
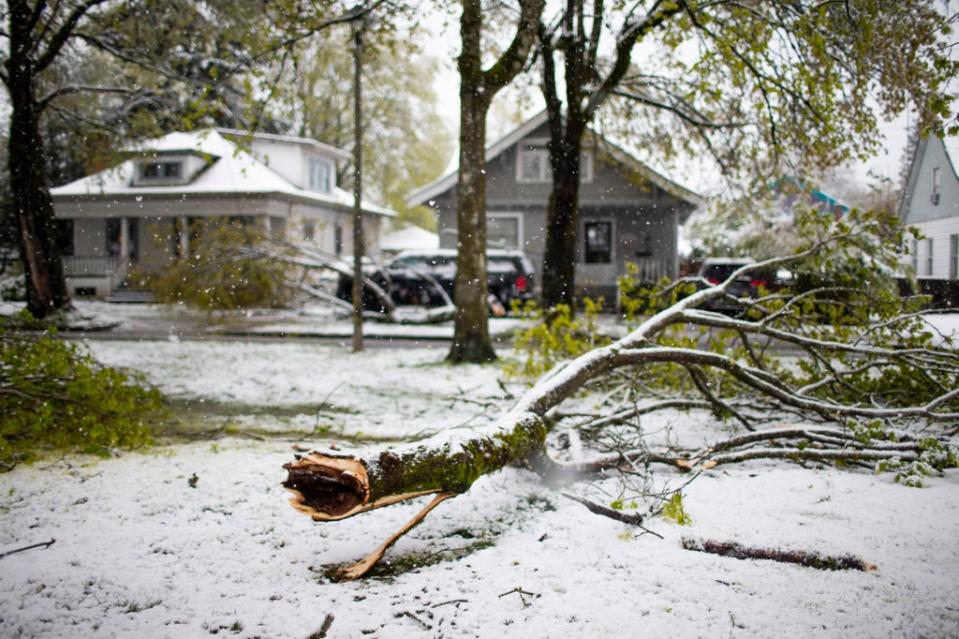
[652,269]
[90,265]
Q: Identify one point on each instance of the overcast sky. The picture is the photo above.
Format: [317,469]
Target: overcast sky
[444,44]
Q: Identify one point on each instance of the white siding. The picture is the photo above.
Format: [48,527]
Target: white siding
[939,231]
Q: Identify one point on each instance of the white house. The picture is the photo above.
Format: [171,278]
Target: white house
[138,214]
[930,202]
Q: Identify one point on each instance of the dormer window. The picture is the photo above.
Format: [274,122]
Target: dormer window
[320,176]
[936,185]
[161,170]
[532,166]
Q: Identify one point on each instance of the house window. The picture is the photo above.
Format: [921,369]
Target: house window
[936,185]
[161,170]
[65,237]
[338,240]
[915,257]
[599,243]
[929,256]
[954,257]
[309,231]
[585,167]
[320,175]
[112,236]
[503,230]
[532,166]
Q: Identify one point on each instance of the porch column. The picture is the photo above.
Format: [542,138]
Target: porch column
[124,262]
[184,236]
[124,240]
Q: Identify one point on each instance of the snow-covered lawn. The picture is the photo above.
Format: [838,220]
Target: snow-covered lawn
[141,553]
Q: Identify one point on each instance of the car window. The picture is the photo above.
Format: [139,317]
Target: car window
[719,272]
[501,265]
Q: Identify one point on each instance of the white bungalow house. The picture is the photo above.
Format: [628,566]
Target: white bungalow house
[930,202]
[138,214]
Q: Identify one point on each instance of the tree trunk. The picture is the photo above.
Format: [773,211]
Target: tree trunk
[559,262]
[33,207]
[358,244]
[471,340]
[329,486]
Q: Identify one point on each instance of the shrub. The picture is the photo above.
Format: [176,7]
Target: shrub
[553,337]
[55,396]
[220,273]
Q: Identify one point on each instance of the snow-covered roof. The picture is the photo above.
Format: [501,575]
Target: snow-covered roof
[409,237]
[435,188]
[289,139]
[232,171]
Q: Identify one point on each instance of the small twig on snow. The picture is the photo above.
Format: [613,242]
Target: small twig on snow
[522,595]
[44,544]
[325,628]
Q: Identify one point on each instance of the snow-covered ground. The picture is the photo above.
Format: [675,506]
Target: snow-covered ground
[141,553]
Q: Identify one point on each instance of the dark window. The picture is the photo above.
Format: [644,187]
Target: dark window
[65,237]
[309,231]
[338,240]
[113,236]
[161,170]
[599,243]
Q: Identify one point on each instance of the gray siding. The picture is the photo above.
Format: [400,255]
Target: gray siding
[645,218]
[919,206]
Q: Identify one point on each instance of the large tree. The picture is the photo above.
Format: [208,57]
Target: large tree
[192,56]
[406,142]
[478,86]
[761,87]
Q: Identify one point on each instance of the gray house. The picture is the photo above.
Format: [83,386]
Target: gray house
[930,203]
[140,215]
[627,211]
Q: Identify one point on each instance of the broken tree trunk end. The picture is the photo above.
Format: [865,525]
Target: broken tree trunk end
[329,486]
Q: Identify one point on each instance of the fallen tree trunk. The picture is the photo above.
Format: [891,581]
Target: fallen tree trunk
[329,486]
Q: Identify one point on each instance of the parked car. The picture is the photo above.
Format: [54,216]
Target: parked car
[415,277]
[715,270]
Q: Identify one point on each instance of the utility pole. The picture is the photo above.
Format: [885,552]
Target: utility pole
[357,27]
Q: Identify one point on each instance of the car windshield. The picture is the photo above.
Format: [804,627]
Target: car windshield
[720,272]
[501,265]
[425,262]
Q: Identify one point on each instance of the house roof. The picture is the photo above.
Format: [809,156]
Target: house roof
[289,139]
[951,145]
[441,185]
[409,237]
[952,150]
[232,171]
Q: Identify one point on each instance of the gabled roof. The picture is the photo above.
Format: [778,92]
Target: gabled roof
[409,237]
[232,171]
[952,150]
[448,181]
[289,139]
[951,145]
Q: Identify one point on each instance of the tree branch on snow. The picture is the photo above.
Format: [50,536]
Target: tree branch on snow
[329,485]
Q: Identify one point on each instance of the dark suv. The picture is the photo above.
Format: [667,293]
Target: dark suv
[715,270]
[413,277]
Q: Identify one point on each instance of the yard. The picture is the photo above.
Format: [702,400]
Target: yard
[195,538]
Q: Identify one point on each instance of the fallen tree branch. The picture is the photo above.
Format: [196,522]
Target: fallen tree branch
[328,486]
[634,519]
[801,557]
